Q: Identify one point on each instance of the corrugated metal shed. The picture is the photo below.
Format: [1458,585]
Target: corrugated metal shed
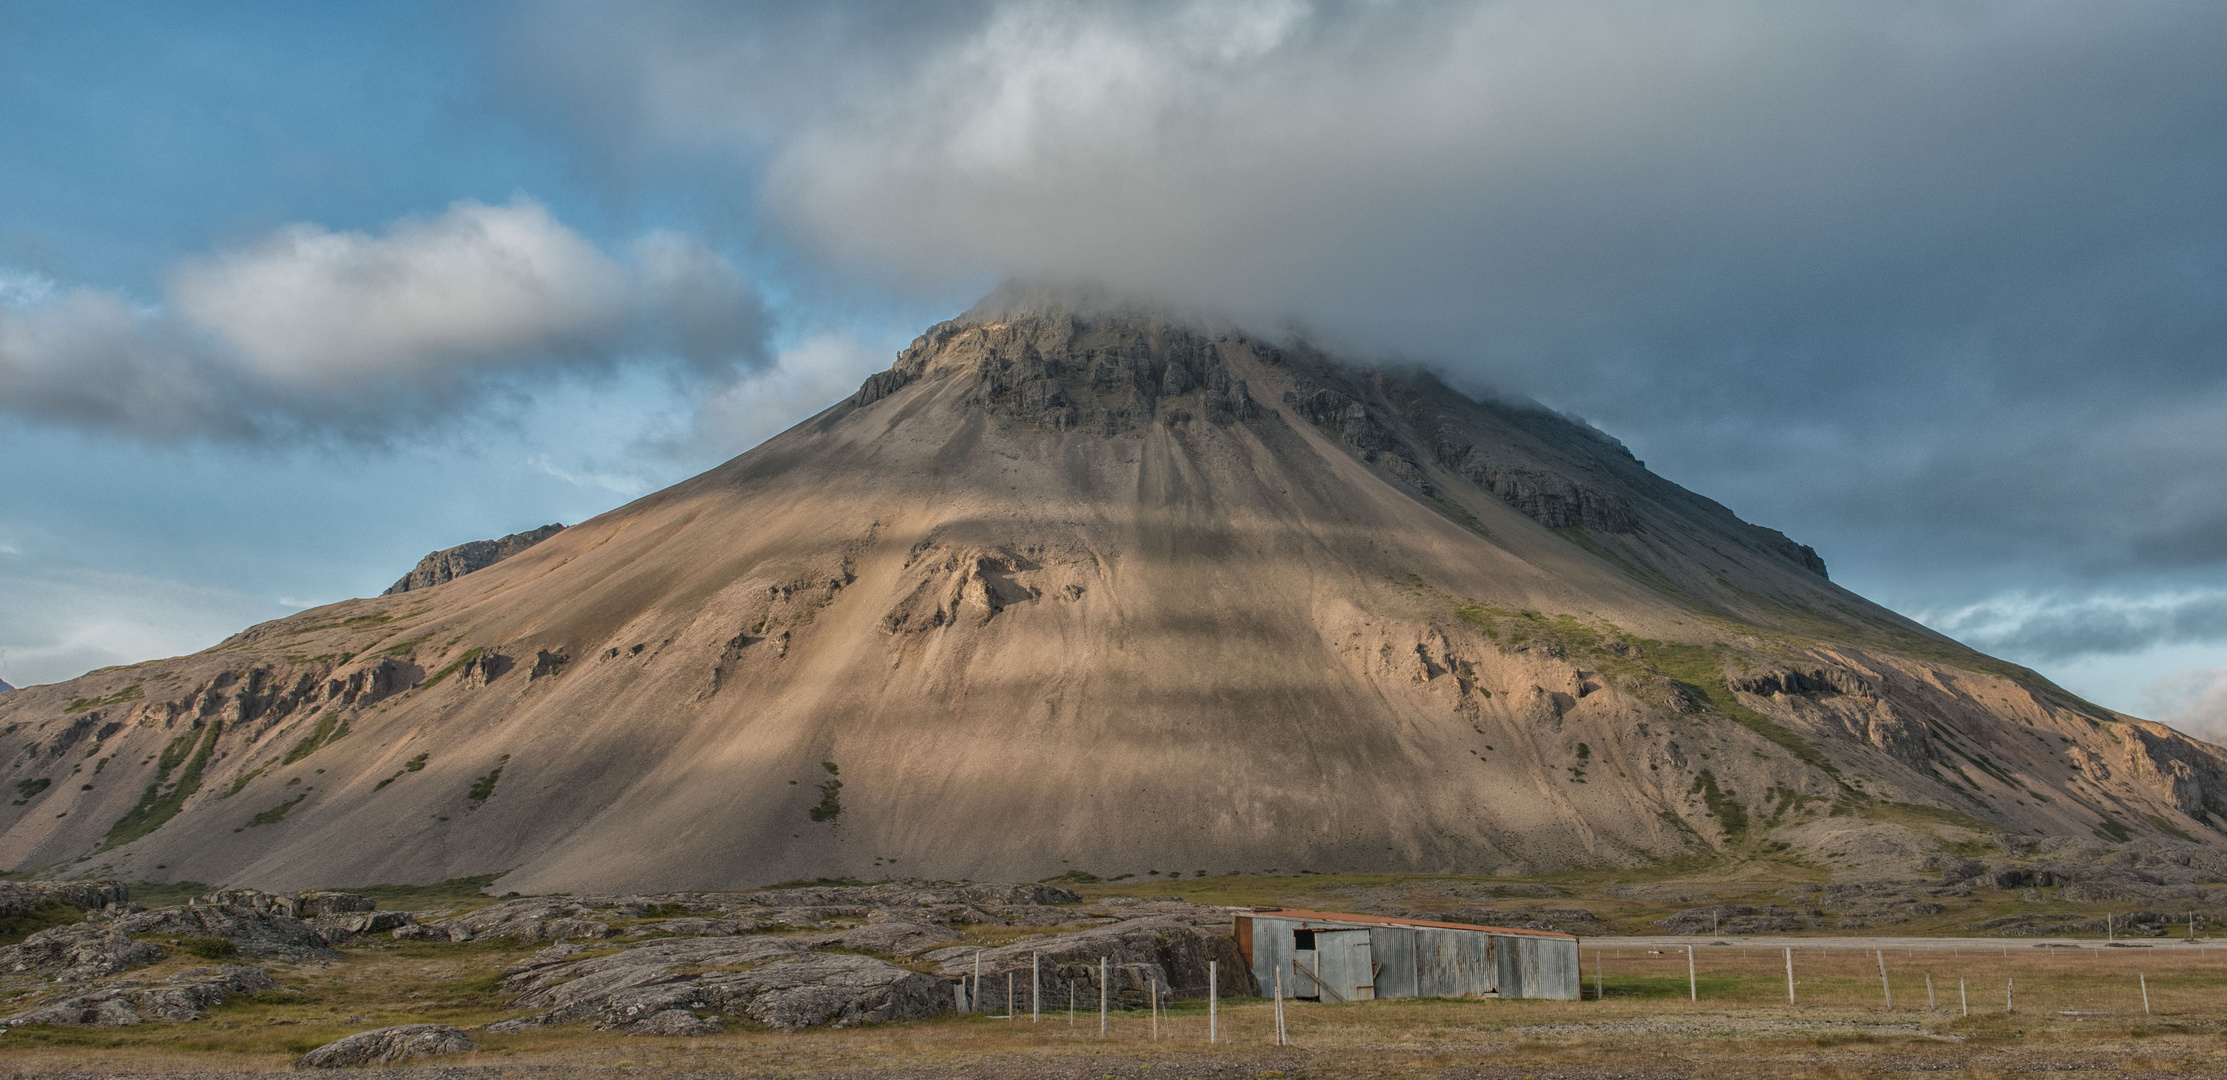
[1342,957]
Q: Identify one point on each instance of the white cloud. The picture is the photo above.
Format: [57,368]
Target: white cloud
[63,619]
[2195,701]
[320,330]
[803,379]
[478,285]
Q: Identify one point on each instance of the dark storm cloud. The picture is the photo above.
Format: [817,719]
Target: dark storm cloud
[1936,285]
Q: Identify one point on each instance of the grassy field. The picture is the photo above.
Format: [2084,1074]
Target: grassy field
[1645,1025]
[2076,1010]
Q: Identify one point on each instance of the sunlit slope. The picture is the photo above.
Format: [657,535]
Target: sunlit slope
[1095,590]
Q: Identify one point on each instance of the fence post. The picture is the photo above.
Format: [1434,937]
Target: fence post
[1883,985]
[1598,993]
[1693,988]
[2010,995]
[1214,1004]
[1035,988]
[977,980]
[2145,980]
[1929,1005]
[1790,975]
[1104,983]
[1962,1002]
[1279,1008]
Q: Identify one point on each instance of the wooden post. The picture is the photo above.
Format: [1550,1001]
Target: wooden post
[1009,1009]
[1104,982]
[1598,994]
[1693,987]
[2110,927]
[1963,1002]
[1213,1004]
[959,996]
[1279,1008]
[2145,980]
[2010,999]
[1070,1005]
[1790,975]
[1883,985]
[1035,988]
[1929,1005]
[1152,987]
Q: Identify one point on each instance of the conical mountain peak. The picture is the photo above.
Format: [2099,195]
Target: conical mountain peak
[1082,584]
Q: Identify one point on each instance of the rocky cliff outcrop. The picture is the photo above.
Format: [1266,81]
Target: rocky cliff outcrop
[449,564]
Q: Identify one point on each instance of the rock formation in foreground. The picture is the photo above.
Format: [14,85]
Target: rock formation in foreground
[1078,586]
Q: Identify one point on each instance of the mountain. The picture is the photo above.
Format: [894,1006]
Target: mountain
[1079,585]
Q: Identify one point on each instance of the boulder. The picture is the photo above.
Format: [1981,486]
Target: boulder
[677,1022]
[887,938]
[78,952]
[24,897]
[785,986]
[184,998]
[387,1046]
[530,919]
[338,928]
[259,934]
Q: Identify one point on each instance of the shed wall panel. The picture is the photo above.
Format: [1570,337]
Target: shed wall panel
[1393,948]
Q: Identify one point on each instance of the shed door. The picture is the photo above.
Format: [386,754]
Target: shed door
[1347,969]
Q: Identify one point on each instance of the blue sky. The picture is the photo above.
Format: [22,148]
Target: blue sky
[291,294]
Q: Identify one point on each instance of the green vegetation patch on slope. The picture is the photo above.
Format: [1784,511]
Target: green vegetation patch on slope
[158,806]
[129,693]
[1643,665]
[276,814]
[450,668]
[328,729]
[1729,814]
[483,788]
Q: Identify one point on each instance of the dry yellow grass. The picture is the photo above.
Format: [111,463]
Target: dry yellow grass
[1645,1026]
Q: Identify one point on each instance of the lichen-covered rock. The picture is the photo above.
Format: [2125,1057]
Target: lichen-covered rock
[259,934]
[387,1046]
[78,952]
[572,990]
[302,905]
[338,928]
[183,999]
[780,985]
[530,919]
[23,897]
[887,938]
[677,1022]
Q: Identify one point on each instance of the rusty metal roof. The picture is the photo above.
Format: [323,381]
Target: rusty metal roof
[1385,920]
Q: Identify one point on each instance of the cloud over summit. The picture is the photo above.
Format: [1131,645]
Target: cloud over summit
[1934,286]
